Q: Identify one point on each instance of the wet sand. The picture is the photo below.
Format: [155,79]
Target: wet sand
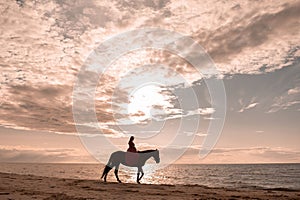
[13,186]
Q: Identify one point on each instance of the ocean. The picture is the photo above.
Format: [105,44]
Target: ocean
[213,175]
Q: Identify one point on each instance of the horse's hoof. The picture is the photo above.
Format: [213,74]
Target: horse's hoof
[138,182]
[120,181]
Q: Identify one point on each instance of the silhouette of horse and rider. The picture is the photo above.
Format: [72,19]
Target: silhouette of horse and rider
[131,158]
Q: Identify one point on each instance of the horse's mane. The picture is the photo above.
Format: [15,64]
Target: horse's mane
[147,151]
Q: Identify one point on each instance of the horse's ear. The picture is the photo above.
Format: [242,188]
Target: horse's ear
[156,150]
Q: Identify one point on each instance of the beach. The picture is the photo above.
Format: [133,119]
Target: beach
[14,186]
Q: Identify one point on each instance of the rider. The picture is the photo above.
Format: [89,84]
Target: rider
[131,145]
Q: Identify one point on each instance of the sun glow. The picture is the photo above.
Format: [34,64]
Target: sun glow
[145,102]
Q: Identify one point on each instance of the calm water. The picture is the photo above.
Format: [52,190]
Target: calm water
[230,176]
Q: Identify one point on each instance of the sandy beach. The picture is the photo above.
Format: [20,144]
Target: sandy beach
[13,186]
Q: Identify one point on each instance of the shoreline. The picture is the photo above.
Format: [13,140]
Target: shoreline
[16,186]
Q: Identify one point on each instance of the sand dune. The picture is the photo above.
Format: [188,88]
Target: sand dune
[13,186]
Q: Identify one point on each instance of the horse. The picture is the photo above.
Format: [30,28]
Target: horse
[121,157]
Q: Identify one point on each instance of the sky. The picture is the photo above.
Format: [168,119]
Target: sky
[254,45]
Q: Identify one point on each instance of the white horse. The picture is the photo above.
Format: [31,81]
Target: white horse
[129,159]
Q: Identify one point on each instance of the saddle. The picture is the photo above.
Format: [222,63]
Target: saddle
[131,158]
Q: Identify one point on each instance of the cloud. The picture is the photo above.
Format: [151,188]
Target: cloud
[44,108]
[252,39]
[27,154]
[293,91]
[288,99]
[259,131]
[177,113]
[242,155]
[251,105]
[242,37]
[201,111]
[259,31]
[199,134]
[45,44]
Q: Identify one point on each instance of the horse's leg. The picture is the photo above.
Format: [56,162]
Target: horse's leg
[140,170]
[107,168]
[105,172]
[116,173]
[142,173]
[137,178]
[105,175]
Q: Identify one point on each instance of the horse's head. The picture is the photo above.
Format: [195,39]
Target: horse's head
[156,156]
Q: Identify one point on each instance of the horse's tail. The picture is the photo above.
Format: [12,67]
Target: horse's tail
[107,168]
[109,163]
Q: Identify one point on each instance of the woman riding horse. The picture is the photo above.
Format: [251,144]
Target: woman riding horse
[131,145]
[121,157]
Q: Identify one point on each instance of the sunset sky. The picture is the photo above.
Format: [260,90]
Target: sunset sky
[255,46]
